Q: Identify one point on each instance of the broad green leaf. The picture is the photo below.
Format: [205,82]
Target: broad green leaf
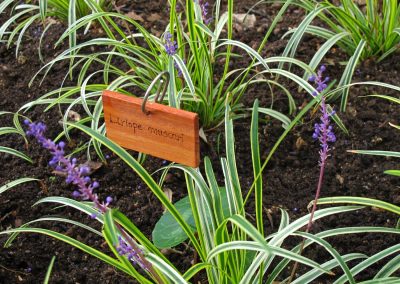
[167,233]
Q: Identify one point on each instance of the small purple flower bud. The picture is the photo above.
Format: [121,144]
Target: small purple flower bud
[84,170]
[109,199]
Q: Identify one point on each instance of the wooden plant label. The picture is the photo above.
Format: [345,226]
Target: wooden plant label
[164,132]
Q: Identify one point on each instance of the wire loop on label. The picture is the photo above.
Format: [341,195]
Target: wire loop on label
[163,85]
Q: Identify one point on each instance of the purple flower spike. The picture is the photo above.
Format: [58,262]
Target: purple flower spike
[125,249]
[323,131]
[76,175]
[319,82]
[204,12]
[178,69]
[170,46]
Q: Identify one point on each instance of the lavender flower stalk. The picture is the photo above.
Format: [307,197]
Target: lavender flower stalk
[204,12]
[170,46]
[78,175]
[323,132]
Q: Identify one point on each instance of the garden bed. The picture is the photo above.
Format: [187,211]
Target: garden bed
[290,179]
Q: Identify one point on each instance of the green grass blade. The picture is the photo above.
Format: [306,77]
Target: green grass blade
[246,48]
[83,207]
[71,22]
[52,219]
[15,153]
[9,130]
[231,159]
[332,251]
[166,269]
[192,271]
[15,183]
[393,172]
[376,153]
[256,246]
[389,268]
[384,280]
[310,276]
[348,74]
[255,155]
[43,9]
[360,201]
[79,245]
[49,269]
[392,99]
[370,261]
[322,51]
[295,39]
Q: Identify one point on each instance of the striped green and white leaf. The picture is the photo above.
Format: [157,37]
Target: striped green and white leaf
[16,153]
[14,183]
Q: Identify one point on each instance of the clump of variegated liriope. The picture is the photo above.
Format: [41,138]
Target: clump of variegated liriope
[227,246]
[196,49]
[376,27]
[362,33]
[29,13]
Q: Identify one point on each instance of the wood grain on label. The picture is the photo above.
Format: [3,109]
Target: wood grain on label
[168,133]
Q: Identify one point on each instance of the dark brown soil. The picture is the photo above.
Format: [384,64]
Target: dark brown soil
[289,180]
